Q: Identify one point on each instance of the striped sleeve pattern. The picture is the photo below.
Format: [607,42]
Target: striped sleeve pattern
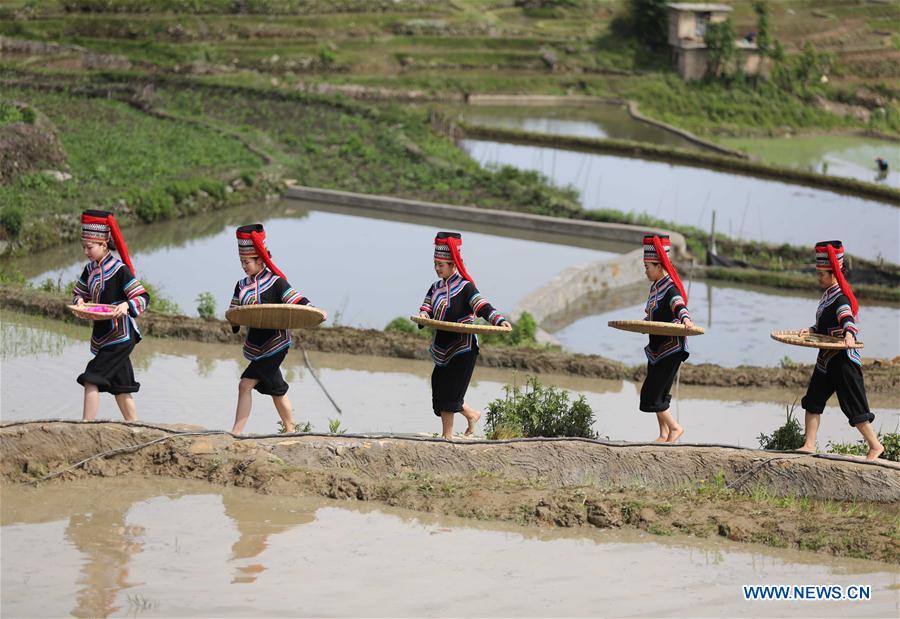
[80,291]
[292,297]
[138,297]
[679,308]
[426,303]
[482,308]
[845,319]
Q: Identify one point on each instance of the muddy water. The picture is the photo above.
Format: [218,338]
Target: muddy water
[738,321]
[834,155]
[747,208]
[185,382]
[163,548]
[595,121]
[364,271]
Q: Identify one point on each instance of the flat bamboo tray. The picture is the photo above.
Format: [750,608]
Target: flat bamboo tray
[813,340]
[458,327]
[276,316]
[654,327]
[93,311]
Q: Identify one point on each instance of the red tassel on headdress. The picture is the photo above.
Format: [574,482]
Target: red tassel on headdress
[115,233]
[670,269]
[259,243]
[453,244]
[121,247]
[841,280]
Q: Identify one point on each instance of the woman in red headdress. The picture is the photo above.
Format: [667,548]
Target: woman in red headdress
[667,303]
[264,348]
[109,280]
[454,298]
[837,370]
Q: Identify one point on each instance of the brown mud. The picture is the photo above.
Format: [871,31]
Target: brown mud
[881,376]
[829,505]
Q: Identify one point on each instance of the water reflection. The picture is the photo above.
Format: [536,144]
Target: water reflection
[382,394]
[365,271]
[747,208]
[301,556]
[594,121]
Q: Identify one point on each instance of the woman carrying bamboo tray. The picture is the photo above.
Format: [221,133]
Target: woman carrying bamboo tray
[454,298]
[667,302]
[264,348]
[109,281]
[837,370]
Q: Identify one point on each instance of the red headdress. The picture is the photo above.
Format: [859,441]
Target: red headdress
[101,226]
[657,249]
[830,257]
[252,242]
[446,248]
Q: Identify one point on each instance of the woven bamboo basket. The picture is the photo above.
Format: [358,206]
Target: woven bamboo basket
[93,311]
[276,316]
[812,340]
[458,327]
[654,327]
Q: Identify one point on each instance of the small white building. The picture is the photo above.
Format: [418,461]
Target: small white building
[688,22]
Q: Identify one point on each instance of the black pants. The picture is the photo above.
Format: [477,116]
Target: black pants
[655,395]
[450,382]
[111,370]
[268,372]
[846,378]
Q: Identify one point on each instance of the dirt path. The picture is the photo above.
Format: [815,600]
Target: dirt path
[845,507]
[881,377]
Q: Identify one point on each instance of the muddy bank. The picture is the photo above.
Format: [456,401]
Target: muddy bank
[741,494]
[881,376]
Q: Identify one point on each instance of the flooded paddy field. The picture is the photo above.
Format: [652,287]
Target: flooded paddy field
[747,208]
[196,383]
[156,547]
[850,156]
[738,320]
[833,155]
[363,269]
[318,247]
[595,121]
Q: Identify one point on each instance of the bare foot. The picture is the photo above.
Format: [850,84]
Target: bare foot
[446,437]
[661,438]
[470,429]
[874,453]
[675,434]
[807,449]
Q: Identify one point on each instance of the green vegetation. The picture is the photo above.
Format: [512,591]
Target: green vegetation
[891,442]
[538,410]
[10,113]
[298,427]
[139,166]
[401,324]
[334,427]
[206,305]
[788,437]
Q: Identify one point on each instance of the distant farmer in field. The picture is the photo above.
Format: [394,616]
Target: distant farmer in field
[667,303]
[109,281]
[454,298]
[837,370]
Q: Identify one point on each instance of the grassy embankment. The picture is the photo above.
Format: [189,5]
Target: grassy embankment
[450,48]
[488,46]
